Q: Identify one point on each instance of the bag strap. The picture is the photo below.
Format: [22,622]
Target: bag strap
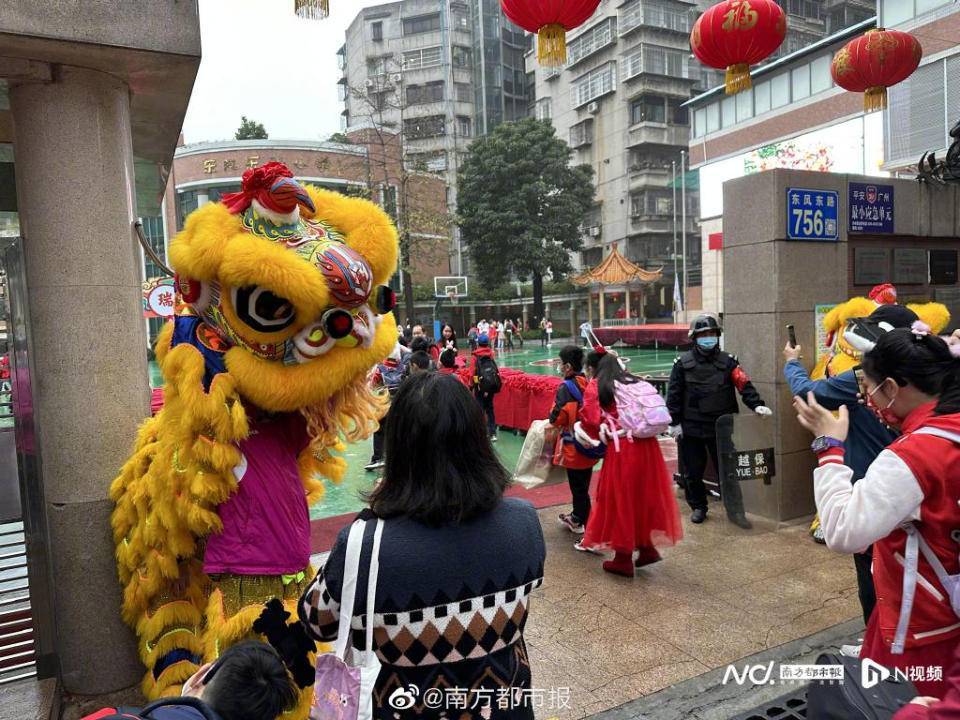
[574,390]
[372,575]
[349,590]
[909,587]
[351,568]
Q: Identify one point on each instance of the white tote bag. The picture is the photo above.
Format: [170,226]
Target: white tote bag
[344,688]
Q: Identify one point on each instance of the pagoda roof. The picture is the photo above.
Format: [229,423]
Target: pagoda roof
[615,269]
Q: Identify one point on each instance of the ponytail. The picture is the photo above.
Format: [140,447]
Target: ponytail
[950,391]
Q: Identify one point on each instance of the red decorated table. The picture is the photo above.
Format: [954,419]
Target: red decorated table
[644,335]
[524,398]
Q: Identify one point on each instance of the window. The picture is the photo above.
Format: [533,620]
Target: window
[461,20]
[544,109]
[800,80]
[654,13]
[376,31]
[713,117]
[648,108]
[780,90]
[590,41]
[464,92]
[744,105]
[820,78]
[678,114]
[581,134]
[377,65]
[595,83]
[656,60]
[464,127]
[943,267]
[916,121]
[654,203]
[424,127]
[461,56]
[761,98]
[421,24]
[421,94]
[700,122]
[425,57]
[728,111]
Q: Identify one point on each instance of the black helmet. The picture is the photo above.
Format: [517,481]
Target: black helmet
[704,323]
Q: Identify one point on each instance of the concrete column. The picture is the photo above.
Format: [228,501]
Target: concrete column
[627,295]
[473,314]
[589,305]
[602,315]
[574,324]
[91,391]
[526,317]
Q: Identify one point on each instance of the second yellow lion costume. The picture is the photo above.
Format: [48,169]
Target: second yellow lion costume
[282,311]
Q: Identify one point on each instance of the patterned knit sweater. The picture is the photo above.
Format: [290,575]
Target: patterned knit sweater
[450,611]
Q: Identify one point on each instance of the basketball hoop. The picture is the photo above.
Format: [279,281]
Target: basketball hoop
[453,297]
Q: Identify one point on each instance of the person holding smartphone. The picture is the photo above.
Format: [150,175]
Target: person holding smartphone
[868,436]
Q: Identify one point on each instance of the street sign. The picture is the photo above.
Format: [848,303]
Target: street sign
[871,208]
[812,215]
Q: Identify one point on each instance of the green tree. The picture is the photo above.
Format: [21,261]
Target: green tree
[250,130]
[521,204]
[339,137]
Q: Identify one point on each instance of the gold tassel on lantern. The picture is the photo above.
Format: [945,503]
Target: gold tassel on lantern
[738,78]
[874,99]
[311,9]
[552,45]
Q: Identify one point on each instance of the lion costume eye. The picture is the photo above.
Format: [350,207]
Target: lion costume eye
[262,310]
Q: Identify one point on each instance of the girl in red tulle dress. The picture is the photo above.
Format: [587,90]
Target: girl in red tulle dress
[635,508]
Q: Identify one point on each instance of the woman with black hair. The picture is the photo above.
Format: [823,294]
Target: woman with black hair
[457,563]
[447,341]
[906,505]
[635,509]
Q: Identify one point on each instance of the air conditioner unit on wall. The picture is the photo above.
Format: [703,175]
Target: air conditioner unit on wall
[396,77]
[593,108]
[370,83]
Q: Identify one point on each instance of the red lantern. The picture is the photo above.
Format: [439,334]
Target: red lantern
[736,34]
[550,19]
[876,60]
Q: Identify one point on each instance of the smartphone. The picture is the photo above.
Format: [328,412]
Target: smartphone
[792,335]
[861,387]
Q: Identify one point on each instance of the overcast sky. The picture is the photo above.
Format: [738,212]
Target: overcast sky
[262,61]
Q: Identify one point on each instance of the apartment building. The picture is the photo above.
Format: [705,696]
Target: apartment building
[437,73]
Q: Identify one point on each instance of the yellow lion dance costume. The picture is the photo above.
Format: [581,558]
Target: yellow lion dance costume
[282,310]
[841,356]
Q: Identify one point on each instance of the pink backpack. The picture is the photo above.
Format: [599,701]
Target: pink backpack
[641,413]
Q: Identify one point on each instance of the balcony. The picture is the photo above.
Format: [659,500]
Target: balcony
[646,175]
[651,133]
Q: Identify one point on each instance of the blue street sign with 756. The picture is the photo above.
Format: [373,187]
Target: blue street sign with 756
[812,214]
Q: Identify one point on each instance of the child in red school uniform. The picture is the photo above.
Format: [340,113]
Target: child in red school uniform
[448,362]
[635,509]
[570,454]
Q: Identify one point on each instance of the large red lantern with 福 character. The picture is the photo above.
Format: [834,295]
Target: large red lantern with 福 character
[550,20]
[876,60]
[736,34]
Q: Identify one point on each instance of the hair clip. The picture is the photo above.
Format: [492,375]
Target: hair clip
[919,329]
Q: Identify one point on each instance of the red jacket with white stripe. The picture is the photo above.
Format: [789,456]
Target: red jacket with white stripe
[917,478]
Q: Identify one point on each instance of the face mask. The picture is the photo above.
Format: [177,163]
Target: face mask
[707,343]
[884,414]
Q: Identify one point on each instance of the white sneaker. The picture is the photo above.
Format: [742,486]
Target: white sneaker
[851,650]
[583,548]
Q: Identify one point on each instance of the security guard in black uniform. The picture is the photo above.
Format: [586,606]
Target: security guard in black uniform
[703,387]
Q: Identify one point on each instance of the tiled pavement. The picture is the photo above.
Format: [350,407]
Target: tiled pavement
[720,595]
